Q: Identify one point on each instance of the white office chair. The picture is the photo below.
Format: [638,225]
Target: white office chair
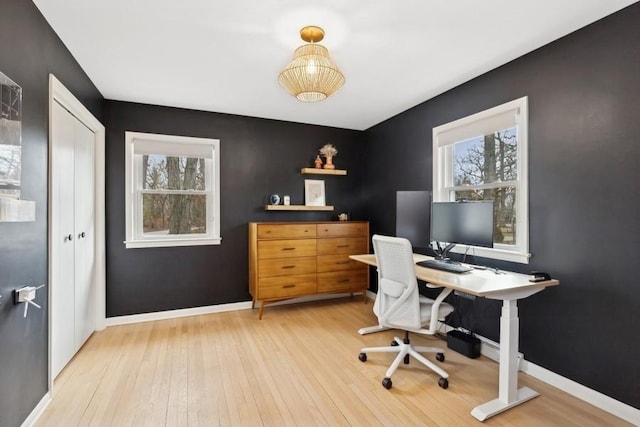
[399,305]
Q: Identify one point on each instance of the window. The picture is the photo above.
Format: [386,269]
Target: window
[484,157]
[172,190]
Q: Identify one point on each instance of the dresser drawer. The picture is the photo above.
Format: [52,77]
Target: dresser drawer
[286,266]
[343,229]
[286,286]
[286,231]
[286,248]
[343,245]
[343,281]
[340,262]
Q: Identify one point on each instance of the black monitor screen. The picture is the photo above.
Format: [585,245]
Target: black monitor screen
[464,223]
[412,217]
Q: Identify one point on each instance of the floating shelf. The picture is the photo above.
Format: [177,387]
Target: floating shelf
[315,171]
[297,208]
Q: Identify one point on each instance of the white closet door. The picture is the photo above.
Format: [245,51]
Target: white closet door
[85,292]
[73,233]
[63,236]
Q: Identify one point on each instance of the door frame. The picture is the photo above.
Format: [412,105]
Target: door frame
[59,93]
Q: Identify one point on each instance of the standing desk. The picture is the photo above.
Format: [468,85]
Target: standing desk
[507,287]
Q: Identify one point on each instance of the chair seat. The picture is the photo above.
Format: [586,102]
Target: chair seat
[425,310]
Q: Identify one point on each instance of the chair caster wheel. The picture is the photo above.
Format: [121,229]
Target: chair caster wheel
[362,357]
[440,357]
[394,343]
[386,383]
[443,382]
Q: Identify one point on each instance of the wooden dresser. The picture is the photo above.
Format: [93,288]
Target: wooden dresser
[294,259]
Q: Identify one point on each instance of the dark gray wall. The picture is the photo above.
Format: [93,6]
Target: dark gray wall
[583,191]
[258,157]
[584,147]
[29,51]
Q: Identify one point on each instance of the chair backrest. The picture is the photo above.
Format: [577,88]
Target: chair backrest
[398,302]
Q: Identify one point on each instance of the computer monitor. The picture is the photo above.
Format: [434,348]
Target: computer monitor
[464,223]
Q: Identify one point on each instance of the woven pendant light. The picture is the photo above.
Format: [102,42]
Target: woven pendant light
[312,75]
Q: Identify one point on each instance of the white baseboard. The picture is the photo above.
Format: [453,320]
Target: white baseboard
[221,308]
[597,399]
[174,314]
[37,411]
[491,350]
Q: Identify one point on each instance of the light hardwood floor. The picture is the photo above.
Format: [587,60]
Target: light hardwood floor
[298,366]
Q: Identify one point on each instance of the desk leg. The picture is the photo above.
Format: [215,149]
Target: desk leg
[508,393]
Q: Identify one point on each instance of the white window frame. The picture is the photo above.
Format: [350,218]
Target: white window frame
[485,122]
[133,190]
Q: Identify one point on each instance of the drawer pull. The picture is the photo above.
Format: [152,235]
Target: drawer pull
[343,246]
[342,262]
[288,266]
[288,286]
[343,280]
[288,249]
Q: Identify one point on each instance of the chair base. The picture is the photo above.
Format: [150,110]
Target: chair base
[405,349]
[372,329]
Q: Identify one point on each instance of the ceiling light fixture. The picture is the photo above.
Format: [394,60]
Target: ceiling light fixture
[312,75]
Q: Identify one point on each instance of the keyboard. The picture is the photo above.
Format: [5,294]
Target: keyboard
[452,267]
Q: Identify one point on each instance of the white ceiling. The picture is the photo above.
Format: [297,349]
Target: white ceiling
[225,56]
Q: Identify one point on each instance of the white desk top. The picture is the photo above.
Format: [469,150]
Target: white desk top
[482,283]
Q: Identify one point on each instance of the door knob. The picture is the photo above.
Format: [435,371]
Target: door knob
[69,237]
[81,235]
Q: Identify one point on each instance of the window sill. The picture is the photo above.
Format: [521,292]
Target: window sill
[492,253]
[165,243]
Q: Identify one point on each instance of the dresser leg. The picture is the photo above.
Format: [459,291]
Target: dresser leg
[261,310]
[253,304]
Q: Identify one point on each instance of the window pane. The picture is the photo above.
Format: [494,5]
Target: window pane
[486,159]
[174,214]
[504,210]
[162,172]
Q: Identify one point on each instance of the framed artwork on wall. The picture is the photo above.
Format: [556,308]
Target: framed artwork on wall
[12,207]
[10,137]
[314,192]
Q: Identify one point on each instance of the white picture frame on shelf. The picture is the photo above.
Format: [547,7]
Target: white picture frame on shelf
[314,192]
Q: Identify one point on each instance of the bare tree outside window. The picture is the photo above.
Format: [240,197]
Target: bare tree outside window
[485,168]
[173,199]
